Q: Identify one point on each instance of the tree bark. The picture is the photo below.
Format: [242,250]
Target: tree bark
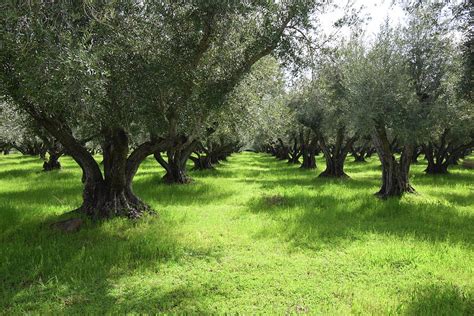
[113,195]
[395,180]
[175,167]
[282,152]
[334,167]
[359,157]
[309,158]
[335,156]
[202,162]
[52,163]
[370,152]
[441,156]
[437,162]
[104,195]
[295,153]
[417,151]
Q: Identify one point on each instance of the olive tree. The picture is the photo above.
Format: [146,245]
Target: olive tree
[214,46]
[436,72]
[322,106]
[385,105]
[136,72]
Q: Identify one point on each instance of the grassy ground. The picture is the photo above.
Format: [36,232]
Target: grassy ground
[254,236]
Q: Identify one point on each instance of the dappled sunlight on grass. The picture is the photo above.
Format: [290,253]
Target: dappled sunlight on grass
[254,235]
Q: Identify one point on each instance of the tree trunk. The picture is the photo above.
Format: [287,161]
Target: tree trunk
[282,152]
[294,159]
[334,167]
[52,163]
[176,173]
[295,153]
[175,167]
[395,174]
[105,195]
[335,156]
[202,162]
[370,152]
[416,153]
[214,159]
[113,196]
[359,157]
[309,158]
[434,166]
[440,157]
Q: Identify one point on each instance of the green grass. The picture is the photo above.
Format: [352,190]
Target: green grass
[254,236]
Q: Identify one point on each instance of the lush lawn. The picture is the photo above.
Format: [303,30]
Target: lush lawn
[256,235]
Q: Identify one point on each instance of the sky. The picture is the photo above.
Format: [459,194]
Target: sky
[377,11]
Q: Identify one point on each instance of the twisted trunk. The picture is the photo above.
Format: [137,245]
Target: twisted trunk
[335,156]
[294,154]
[395,173]
[437,164]
[417,151]
[370,152]
[175,165]
[282,152]
[334,167]
[214,159]
[104,195]
[202,162]
[112,194]
[441,156]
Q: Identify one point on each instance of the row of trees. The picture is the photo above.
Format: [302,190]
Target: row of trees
[403,95]
[139,78]
[197,80]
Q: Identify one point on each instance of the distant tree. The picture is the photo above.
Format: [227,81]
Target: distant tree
[323,107]
[143,72]
[436,73]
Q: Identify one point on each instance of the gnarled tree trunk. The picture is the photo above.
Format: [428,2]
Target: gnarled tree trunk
[440,156]
[370,152]
[104,195]
[55,151]
[175,166]
[395,173]
[295,153]
[437,164]
[335,156]
[282,151]
[417,151]
[334,167]
[202,162]
[359,156]
[112,194]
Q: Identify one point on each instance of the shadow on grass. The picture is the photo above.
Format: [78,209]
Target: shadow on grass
[80,267]
[314,213]
[181,299]
[440,300]
[321,220]
[458,178]
[44,269]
